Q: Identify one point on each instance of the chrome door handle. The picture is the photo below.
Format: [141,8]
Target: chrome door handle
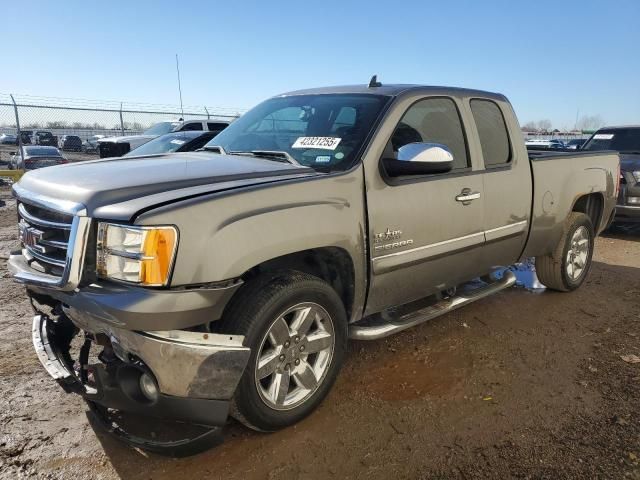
[467,196]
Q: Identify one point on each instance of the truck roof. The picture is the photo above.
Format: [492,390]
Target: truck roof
[395,90]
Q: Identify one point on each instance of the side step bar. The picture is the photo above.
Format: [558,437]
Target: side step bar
[377,327]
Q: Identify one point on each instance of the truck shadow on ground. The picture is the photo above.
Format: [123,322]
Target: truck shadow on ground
[625,232]
[510,368]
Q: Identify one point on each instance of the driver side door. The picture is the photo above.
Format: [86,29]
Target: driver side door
[423,237]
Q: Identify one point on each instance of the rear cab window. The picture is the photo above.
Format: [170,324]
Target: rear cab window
[492,132]
[191,126]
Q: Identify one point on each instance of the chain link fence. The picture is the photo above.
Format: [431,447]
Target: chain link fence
[51,118]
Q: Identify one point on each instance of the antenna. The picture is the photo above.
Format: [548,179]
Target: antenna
[374,82]
[179,86]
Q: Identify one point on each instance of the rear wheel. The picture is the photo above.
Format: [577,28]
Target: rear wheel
[567,267]
[296,327]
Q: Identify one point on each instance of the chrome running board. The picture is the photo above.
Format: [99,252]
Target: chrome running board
[373,328]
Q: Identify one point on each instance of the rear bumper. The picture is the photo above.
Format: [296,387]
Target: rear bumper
[627,214]
[196,377]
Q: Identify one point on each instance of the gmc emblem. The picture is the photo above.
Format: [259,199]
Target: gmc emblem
[29,236]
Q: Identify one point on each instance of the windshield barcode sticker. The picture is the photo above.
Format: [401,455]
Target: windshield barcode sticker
[603,136]
[324,143]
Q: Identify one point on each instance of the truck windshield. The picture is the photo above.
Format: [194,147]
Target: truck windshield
[325,132]
[620,139]
[161,128]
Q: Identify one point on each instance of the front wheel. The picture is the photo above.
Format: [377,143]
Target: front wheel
[567,267]
[296,327]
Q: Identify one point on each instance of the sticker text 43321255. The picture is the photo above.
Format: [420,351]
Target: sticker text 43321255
[324,143]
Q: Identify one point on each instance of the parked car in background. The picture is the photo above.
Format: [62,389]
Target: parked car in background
[70,142]
[44,137]
[626,141]
[545,144]
[25,136]
[90,145]
[574,144]
[174,142]
[229,279]
[8,139]
[36,157]
[118,146]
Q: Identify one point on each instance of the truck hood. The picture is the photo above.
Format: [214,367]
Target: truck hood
[118,188]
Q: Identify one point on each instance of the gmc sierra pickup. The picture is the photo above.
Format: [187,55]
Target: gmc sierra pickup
[183,287]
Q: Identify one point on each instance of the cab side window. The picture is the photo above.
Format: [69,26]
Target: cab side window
[492,131]
[432,120]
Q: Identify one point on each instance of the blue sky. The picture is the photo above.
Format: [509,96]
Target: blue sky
[549,58]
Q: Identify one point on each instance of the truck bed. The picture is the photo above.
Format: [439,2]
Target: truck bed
[560,179]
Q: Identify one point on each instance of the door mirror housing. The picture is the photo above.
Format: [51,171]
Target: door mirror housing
[420,159]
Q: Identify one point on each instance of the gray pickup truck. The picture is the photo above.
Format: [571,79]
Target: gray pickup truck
[184,287]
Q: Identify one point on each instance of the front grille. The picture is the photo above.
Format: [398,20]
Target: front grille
[45,237]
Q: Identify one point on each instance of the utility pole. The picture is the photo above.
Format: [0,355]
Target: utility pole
[15,109]
[179,86]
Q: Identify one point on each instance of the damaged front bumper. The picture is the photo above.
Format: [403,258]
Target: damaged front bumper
[195,374]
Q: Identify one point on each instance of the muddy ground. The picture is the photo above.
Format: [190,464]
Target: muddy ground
[519,385]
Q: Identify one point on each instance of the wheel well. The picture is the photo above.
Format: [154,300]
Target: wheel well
[331,264]
[592,205]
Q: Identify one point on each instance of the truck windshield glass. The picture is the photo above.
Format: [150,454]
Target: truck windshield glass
[161,128]
[620,139]
[164,144]
[325,132]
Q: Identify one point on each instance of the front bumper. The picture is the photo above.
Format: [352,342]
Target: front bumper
[196,373]
[130,307]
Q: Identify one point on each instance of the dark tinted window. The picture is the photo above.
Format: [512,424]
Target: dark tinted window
[171,142]
[620,139]
[217,126]
[192,126]
[41,151]
[433,120]
[492,130]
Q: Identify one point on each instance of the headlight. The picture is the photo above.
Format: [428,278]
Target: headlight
[636,175]
[142,255]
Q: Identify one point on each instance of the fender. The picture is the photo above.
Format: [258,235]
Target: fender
[565,185]
[240,229]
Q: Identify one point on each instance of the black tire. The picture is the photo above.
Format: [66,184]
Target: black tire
[252,312]
[552,268]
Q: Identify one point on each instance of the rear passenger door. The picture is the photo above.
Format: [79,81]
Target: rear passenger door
[423,237]
[506,182]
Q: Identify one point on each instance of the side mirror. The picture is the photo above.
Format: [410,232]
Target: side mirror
[12,153]
[420,159]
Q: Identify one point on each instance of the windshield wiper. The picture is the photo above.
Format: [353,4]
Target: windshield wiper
[277,155]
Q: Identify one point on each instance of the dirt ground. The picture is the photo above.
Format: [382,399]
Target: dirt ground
[519,385]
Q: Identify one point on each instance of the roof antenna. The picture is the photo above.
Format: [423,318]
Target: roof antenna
[374,82]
